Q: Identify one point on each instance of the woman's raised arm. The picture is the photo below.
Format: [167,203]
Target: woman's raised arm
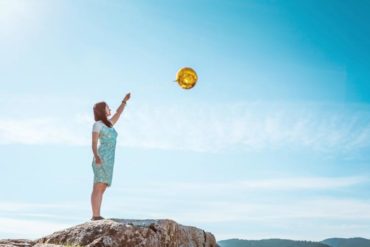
[120,109]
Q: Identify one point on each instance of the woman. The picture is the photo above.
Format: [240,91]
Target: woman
[103,160]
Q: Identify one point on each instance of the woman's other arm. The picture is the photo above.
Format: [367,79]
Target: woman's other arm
[95,138]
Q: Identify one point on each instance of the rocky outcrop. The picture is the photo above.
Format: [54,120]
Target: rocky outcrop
[16,242]
[124,232]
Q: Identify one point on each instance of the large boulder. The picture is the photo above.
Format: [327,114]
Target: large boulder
[126,232]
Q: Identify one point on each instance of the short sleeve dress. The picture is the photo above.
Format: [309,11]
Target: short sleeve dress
[103,172]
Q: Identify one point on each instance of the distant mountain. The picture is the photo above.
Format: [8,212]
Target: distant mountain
[269,243]
[347,242]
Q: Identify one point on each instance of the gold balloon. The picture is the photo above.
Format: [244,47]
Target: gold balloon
[186,77]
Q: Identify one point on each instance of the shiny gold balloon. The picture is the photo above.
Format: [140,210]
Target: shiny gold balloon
[186,77]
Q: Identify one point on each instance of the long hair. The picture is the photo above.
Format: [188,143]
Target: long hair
[100,114]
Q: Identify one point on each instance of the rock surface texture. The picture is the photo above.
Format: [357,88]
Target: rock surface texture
[122,233]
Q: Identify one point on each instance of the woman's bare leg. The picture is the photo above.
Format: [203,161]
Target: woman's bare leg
[97,197]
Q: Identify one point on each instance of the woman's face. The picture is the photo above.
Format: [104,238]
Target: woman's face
[107,110]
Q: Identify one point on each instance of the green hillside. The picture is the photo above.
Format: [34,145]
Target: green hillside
[269,243]
[347,242]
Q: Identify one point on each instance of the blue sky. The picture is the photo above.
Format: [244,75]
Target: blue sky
[273,141]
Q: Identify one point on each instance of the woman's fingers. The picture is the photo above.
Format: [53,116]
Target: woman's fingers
[98,161]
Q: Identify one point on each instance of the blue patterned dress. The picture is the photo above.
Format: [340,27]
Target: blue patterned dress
[103,172]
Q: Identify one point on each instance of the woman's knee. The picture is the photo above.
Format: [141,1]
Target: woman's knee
[100,187]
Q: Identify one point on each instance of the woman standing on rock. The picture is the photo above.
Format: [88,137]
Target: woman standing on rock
[103,160]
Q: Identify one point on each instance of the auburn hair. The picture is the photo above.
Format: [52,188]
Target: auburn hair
[100,113]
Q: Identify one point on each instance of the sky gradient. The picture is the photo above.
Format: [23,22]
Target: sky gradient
[272,142]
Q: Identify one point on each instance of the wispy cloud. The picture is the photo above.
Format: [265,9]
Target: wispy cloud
[239,186]
[204,127]
[299,209]
[43,130]
[19,206]
[297,217]
[207,202]
[18,217]
[29,229]
[317,217]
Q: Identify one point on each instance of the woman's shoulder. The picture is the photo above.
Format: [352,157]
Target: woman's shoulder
[97,126]
[99,122]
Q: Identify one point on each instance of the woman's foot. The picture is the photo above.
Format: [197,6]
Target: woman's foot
[97,218]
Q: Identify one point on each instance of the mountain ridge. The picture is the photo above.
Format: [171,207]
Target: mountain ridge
[277,242]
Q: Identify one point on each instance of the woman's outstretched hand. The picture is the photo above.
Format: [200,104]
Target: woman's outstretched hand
[127,97]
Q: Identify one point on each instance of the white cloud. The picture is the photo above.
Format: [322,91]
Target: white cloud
[18,217]
[201,202]
[19,206]
[28,229]
[206,127]
[236,186]
[297,217]
[43,130]
[271,211]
